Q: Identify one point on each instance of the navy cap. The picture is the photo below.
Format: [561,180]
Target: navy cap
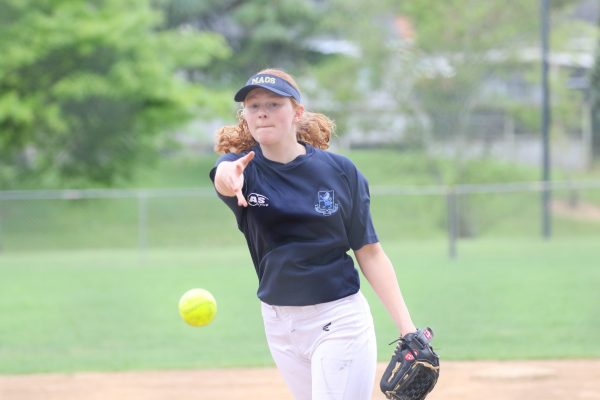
[272,83]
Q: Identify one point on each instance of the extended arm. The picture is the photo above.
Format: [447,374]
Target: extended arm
[379,271]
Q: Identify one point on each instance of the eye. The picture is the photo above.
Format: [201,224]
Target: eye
[274,106]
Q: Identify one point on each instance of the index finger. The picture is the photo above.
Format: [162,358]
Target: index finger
[244,161]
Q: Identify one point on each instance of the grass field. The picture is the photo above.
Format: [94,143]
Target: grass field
[79,291]
[117,309]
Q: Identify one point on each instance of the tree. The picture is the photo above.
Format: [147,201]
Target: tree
[419,66]
[87,87]
[261,33]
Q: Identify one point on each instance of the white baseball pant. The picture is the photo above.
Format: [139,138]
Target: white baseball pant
[325,351]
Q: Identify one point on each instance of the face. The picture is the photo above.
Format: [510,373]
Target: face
[271,118]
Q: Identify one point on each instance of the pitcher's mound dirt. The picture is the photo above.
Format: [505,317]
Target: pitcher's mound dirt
[487,380]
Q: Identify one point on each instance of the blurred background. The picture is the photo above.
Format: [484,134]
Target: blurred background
[105,98]
[477,124]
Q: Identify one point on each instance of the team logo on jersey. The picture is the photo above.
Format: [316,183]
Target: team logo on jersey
[258,200]
[326,204]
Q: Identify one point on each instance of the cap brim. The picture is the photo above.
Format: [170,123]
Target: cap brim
[243,92]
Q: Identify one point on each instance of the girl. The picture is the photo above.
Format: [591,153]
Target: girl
[301,209]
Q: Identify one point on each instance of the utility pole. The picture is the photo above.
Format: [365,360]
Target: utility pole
[546,193]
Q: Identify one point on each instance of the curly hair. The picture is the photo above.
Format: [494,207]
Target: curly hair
[313,128]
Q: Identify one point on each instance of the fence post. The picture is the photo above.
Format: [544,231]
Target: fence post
[142,222]
[452,218]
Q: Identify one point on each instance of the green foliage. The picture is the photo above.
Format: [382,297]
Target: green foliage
[467,27]
[526,117]
[87,87]
[335,100]
[469,32]
[421,68]
[261,33]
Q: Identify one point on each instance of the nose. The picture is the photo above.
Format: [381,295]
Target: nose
[262,112]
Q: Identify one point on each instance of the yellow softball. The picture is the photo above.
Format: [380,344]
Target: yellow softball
[197,307]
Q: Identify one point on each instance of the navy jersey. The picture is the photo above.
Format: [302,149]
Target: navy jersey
[302,219]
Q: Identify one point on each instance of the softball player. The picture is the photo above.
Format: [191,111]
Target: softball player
[301,209]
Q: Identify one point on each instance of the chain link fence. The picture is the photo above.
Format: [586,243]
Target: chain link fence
[65,220]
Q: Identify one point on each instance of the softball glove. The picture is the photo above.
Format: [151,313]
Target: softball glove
[414,368]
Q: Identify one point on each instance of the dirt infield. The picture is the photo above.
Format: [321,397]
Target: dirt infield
[548,380]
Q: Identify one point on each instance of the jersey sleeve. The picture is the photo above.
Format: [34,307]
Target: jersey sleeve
[360,228]
[230,201]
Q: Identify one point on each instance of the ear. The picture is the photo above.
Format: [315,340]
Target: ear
[240,114]
[299,110]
